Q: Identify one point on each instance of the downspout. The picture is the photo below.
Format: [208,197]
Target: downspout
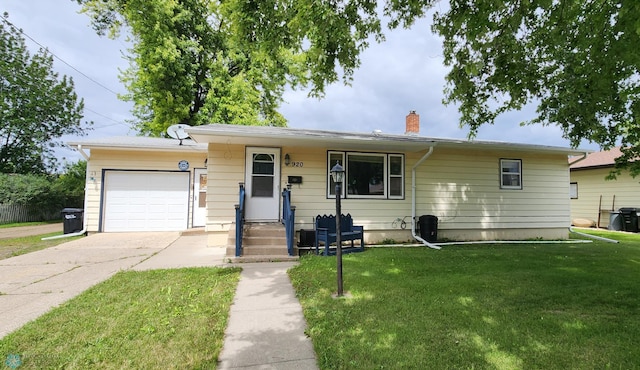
[413,201]
[593,236]
[84,217]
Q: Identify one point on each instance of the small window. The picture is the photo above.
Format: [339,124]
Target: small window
[396,176]
[573,190]
[511,174]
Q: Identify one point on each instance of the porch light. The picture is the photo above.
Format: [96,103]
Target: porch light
[287,159]
[337,172]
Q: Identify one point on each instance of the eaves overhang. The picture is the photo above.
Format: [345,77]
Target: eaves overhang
[284,136]
[139,143]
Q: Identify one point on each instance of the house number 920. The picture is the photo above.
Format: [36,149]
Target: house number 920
[297,164]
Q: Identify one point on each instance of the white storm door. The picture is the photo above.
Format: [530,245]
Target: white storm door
[262,181]
[200,197]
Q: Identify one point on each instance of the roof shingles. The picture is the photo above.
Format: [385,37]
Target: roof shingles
[604,158]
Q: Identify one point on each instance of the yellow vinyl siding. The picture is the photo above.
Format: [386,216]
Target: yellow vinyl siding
[461,188]
[592,185]
[225,172]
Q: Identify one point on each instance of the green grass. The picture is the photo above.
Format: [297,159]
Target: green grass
[549,306]
[18,246]
[138,320]
[19,224]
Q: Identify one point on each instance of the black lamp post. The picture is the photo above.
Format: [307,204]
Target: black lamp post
[337,173]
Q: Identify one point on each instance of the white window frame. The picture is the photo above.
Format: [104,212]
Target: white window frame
[385,170]
[573,190]
[502,173]
[343,159]
[331,188]
[390,176]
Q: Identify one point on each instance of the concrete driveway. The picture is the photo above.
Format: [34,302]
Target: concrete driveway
[32,284]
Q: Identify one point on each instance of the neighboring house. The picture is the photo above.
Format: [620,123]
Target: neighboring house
[593,197]
[479,190]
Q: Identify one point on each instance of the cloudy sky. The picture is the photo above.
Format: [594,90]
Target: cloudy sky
[404,73]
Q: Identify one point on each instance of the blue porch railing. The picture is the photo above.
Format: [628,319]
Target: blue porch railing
[288,219]
[240,221]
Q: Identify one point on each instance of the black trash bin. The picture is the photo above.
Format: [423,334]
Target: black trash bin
[629,219]
[428,227]
[72,220]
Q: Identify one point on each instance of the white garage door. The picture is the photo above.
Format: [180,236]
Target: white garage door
[145,201]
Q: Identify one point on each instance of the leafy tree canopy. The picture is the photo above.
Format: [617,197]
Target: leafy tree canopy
[44,190]
[204,61]
[201,61]
[578,60]
[36,106]
[71,183]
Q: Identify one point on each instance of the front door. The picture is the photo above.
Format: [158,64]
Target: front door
[200,197]
[262,202]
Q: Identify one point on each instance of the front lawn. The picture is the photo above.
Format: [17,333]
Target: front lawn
[537,306]
[159,319]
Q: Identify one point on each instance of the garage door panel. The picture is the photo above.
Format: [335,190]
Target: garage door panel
[146,201]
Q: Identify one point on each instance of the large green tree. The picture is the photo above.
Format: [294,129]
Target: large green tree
[205,61]
[36,106]
[577,60]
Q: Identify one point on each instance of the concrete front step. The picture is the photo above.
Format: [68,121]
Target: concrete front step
[260,241]
[260,234]
[249,241]
[193,231]
[253,259]
[259,250]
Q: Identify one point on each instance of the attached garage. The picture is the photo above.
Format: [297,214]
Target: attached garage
[145,201]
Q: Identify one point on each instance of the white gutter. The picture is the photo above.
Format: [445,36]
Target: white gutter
[413,201]
[584,155]
[84,214]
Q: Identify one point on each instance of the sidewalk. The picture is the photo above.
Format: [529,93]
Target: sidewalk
[266,325]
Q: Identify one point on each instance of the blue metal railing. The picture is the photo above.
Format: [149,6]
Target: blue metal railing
[240,221]
[288,219]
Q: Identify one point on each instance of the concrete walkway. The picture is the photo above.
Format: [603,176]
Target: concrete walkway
[266,325]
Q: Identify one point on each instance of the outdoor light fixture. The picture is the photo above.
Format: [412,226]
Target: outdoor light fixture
[337,173]
[287,159]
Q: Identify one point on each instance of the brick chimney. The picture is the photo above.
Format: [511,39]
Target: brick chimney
[413,123]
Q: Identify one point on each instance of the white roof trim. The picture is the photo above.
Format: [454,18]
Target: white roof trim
[140,143]
[279,136]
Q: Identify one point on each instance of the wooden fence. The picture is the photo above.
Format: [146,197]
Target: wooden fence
[18,213]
